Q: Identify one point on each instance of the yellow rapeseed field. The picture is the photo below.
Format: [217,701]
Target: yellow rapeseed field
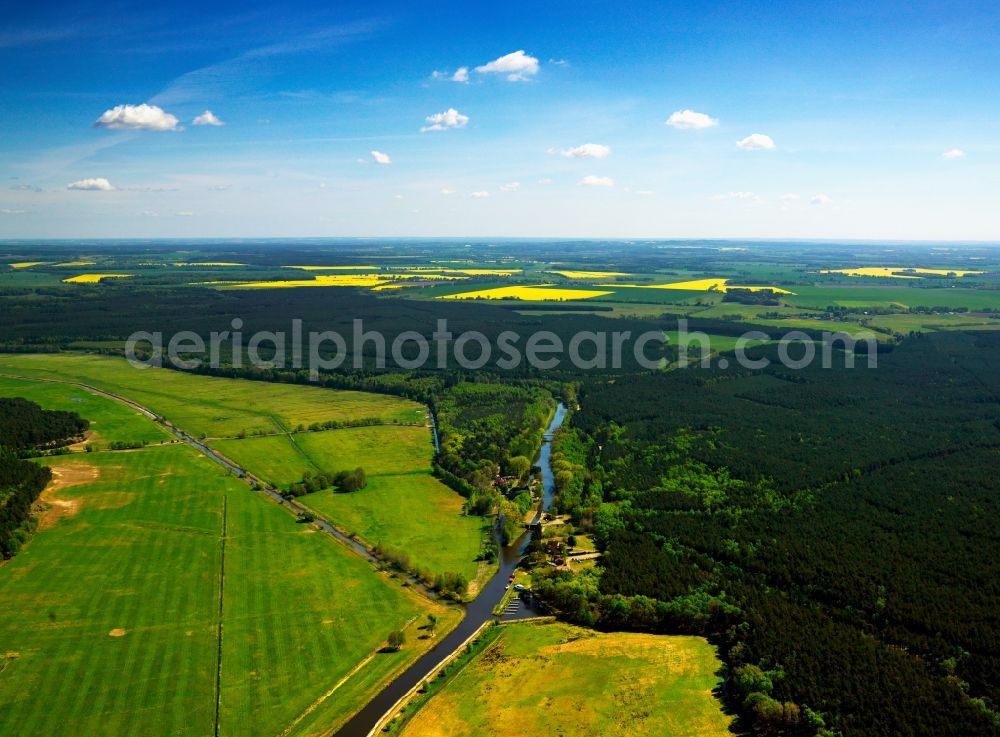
[27,264]
[588,274]
[898,272]
[77,263]
[536,293]
[702,285]
[93,278]
[323,280]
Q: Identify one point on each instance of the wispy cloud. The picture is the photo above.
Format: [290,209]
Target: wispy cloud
[820,200]
[587,151]
[756,142]
[955,153]
[738,196]
[246,71]
[592,180]
[479,195]
[381,158]
[459,75]
[510,187]
[207,118]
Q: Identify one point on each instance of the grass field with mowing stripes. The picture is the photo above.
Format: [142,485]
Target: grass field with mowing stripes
[111,611]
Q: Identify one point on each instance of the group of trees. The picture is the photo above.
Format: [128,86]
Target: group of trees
[26,426]
[343,481]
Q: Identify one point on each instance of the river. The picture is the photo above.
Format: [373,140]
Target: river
[477,611]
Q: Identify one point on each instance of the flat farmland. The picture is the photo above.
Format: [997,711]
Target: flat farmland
[402,506]
[112,611]
[212,406]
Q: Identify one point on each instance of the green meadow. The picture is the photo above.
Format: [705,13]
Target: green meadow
[403,506]
[112,610]
[211,406]
[558,679]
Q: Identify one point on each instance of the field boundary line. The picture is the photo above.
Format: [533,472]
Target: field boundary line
[222,591]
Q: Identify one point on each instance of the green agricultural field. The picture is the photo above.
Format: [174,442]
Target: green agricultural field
[414,512]
[112,611]
[558,679]
[273,458]
[716,343]
[878,296]
[403,506]
[411,512]
[109,421]
[215,407]
[906,323]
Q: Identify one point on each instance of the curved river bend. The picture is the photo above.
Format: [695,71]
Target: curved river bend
[477,612]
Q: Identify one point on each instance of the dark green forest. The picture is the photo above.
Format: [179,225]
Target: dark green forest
[833,530]
[25,428]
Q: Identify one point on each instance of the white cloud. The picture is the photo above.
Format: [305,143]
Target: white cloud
[955,153]
[518,66]
[381,158]
[446,191]
[737,196]
[788,197]
[756,142]
[510,187]
[587,151]
[96,184]
[397,197]
[460,75]
[820,199]
[184,214]
[137,117]
[450,118]
[594,181]
[207,118]
[690,120]
[6,211]
[479,195]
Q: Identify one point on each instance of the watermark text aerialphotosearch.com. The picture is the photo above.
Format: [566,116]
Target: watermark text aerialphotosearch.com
[329,350]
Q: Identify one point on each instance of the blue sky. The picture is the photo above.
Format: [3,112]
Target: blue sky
[870,122]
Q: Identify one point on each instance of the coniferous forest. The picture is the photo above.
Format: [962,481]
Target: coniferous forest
[834,531]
